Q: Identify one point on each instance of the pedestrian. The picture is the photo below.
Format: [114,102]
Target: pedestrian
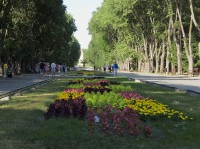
[112,68]
[116,67]
[109,68]
[9,71]
[104,68]
[46,69]
[53,69]
[42,68]
[5,70]
[64,68]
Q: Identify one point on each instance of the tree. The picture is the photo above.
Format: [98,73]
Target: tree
[35,30]
[146,31]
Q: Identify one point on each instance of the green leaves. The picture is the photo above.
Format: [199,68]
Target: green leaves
[102,100]
[35,30]
[129,29]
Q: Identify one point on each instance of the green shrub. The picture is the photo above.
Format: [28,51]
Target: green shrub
[102,100]
[119,88]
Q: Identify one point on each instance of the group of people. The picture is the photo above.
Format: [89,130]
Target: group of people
[46,68]
[112,68]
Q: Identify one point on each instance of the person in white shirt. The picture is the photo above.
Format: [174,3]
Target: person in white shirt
[53,69]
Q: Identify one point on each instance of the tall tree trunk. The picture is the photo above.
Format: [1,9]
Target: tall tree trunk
[193,16]
[139,65]
[167,61]
[194,21]
[162,58]
[179,58]
[173,69]
[157,52]
[151,56]
[169,45]
[177,41]
[191,62]
[146,62]
[199,49]
[187,46]
[157,59]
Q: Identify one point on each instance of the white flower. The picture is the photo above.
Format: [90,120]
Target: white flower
[96,118]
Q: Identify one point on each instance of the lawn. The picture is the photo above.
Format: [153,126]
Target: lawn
[22,123]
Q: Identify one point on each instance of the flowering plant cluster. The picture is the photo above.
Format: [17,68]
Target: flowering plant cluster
[149,108]
[71,94]
[115,121]
[76,81]
[131,95]
[66,108]
[95,88]
[70,102]
[104,82]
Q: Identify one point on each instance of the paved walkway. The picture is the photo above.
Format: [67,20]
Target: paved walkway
[179,82]
[17,82]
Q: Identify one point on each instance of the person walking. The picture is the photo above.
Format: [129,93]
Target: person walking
[9,70]
[104,68]
[109,68]
[5,70]
[53,69]
[46,68]
[42,68]
[116,67]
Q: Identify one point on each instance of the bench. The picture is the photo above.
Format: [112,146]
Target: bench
[195,71]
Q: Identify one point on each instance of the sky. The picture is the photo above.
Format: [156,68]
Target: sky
[81,10]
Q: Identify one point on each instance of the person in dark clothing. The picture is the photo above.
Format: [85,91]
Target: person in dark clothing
[109,68]
[9,72]
[42,68]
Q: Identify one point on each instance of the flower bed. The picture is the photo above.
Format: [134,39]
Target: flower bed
[111,107]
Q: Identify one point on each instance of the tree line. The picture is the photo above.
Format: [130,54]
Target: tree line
[37,30]
[153,35]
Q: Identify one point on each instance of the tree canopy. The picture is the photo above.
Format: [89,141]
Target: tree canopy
[155,35]
[37,30]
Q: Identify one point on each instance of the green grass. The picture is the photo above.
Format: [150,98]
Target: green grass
[22,124]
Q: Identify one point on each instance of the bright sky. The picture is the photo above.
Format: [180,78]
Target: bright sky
[81,10]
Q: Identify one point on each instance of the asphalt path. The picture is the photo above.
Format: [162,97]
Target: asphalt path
[179,82]
[17,82]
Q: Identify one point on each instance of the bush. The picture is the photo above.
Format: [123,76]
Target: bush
[120,88]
